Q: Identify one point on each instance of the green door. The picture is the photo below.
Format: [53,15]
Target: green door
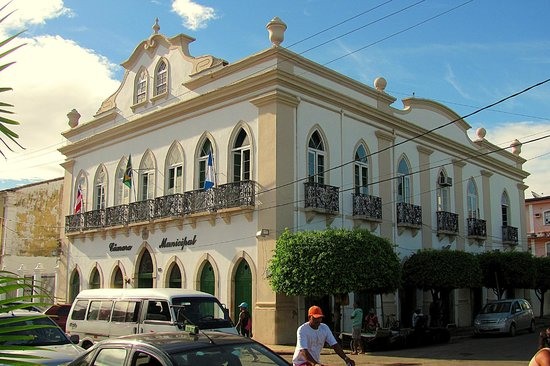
[75,286]
[243,288]
[208,281]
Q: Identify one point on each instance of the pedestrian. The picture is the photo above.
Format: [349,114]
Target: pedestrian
[541,358]
[371,322]
[544,338]
[356,328]
[417,319]
[244,324]
[311,338]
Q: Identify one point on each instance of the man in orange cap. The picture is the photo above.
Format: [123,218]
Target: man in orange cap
[311,338]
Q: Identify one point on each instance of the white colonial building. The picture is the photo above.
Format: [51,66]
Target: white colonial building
[294,145]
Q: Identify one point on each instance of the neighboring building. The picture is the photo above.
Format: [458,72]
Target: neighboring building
[538,225]
[31,218]
[293,145]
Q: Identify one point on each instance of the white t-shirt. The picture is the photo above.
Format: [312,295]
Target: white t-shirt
[313,340]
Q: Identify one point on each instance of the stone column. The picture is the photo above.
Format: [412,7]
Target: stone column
[385,166]
[459,202]
[426,195]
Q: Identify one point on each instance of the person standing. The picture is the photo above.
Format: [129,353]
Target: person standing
[311,338]
[356,328]
[244,325]
[371,322]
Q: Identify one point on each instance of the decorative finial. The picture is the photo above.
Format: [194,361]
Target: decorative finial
[73,116]
[516,147]
[276,28]
[380,84]
[156,26]
[481,133]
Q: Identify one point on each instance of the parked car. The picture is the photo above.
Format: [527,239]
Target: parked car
[32,334]
[59,313]
[505,316]
[179,349]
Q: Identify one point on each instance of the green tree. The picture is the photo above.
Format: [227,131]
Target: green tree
[503,271]
[4,121]
[542,280]
[440,271]
[333,261]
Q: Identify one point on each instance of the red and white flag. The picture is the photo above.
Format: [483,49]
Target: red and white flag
[78,202]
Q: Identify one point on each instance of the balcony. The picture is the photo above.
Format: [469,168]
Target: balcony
[447,223]
[367,207]
[476,229]
[321,198]
[409,216]
[230,196]
[510,235]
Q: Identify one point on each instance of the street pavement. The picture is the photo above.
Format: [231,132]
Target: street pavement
[462,349]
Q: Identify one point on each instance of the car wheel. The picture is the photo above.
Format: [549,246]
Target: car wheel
[512,330]
[532,327]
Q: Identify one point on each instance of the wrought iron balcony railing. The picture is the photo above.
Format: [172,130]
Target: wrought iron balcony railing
[409,215]
[367,206]
[477,228]
[230,195]
[447,222]
[321,197]
[510,235]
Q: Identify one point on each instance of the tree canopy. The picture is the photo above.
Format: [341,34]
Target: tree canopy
[333,261]
[440,270]
[507,270]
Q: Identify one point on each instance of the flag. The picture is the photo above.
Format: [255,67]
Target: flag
[78,202]
[210,179]
[127,180]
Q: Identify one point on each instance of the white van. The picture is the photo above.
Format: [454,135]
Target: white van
[102,313]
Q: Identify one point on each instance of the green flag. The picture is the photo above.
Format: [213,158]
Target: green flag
[128,173]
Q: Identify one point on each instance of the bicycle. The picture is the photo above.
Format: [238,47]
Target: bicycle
[391,322]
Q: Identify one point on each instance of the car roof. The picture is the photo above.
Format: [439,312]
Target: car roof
[21,312]
[140,292]
[178,341]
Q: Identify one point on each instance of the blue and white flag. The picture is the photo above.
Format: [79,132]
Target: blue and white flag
[210,178]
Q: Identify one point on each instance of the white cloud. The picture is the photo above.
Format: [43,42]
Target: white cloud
[195,16]
[30,12]
[48,82]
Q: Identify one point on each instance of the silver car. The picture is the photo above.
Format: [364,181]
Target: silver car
[505,317]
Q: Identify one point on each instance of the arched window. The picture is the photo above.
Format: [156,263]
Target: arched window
[174,277]
[95,279]
[80,194]
[241,157]
[161,78]
[147,177]
[361,171]
[472,202]
[118,278]
[505,209]
[174,170]
[145,271]
[403,182]
[443,192]
[316,159]
[122,191]
[141,87]
[206,149]
[100,185]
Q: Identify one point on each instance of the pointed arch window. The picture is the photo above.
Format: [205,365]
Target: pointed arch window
[241,157]
[141,87]
[505,209]
[174,277]
[100,184]
[443,193]
[95,279]
[316,159]
[174,174]
[403,182]
[82,187]
[361,171]
[145,271]
[147,178]
[118,278]
[161,78]
[472,202]
[203,160]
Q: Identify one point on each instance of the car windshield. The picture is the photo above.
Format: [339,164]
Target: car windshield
[204,312]
[497,307]
[32,331]
[228,355]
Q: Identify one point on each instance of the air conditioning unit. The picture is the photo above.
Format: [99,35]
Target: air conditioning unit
[445,181]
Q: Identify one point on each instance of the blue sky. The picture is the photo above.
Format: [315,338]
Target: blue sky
[464,54]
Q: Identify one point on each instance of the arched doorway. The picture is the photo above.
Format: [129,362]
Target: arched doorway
[243,288]
[74,287]
[145,272]
[174,277]
[207,279]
